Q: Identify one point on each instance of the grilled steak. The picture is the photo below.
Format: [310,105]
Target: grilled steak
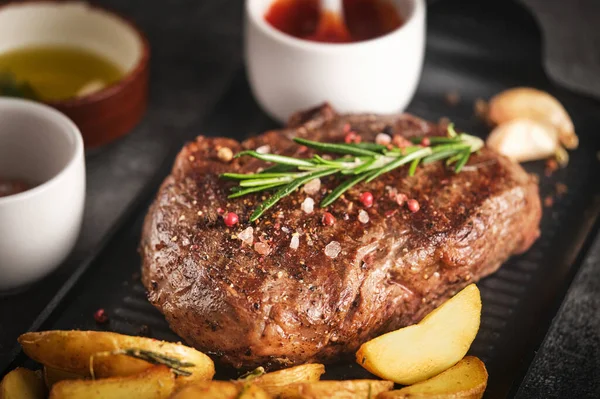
[291,306]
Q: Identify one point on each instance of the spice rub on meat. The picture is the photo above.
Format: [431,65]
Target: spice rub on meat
[295,287]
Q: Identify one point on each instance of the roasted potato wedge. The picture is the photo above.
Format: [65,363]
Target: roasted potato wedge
[80,352]
[221,390]
[467,379]
[349,389]
[275,382]
[154,383]
[420,351]
[22,383]
[52,376]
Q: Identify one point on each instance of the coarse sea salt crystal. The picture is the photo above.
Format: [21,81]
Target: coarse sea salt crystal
[295,242]
[262,248]
[363,216]
[285,229]
[247,236]
[333,249]
[264,149]
[383,139]
[392,192]
[312,187]
[308,205]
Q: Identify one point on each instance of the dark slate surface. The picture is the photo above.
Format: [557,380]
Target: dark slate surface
[571,37]
[568,363]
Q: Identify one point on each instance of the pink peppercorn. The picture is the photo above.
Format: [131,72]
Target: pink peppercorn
[366,199]
[231,219]
[328,219]
[352,137]
[413,205]
[100,316]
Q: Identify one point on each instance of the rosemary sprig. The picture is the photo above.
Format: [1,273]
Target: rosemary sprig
[177,366]
[252,375]
[359,161]
[11,87]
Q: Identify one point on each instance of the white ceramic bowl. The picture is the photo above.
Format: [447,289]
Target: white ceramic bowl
[38,227]
[288,74]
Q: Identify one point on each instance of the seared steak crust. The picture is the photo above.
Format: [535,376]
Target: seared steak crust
[294,306]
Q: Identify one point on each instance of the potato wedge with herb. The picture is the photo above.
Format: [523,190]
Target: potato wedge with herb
[154,383]
[274,383]
[22,383]
[103,353]
[349,389]
[52,376]
[221,390]
[420,351]
[467,379]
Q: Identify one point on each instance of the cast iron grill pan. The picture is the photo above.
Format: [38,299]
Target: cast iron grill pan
[519,300]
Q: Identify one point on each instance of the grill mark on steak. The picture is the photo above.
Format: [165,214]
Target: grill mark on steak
[294,306]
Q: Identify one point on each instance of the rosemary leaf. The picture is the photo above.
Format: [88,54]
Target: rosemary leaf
[413,167]
[365,166]
[399,162]
[462,161]
[265,182]
[438,156]
[241,192]
[453,146]
[286,190]
[337,148]
[242,176]
[371,146]
[314,168]
[397,151]
[156,358]
[280,159]
[453,159]
[342,163]
[443,140]
[451,132]
[278,169]
[252,375]
[11,87]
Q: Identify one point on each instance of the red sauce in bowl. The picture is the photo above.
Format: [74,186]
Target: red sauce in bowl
[363,20]
[13,186]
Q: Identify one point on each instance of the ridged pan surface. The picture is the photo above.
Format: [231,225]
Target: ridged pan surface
[471,51]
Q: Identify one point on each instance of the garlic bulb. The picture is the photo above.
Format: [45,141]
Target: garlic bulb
[524,140]
[524,102]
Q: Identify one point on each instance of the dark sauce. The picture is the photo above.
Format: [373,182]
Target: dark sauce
[364,20]
[13,186]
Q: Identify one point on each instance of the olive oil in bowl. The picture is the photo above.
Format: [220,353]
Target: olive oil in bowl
[57,73]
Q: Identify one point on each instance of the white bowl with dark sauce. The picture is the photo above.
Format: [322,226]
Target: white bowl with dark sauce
[42,174]
[377,74]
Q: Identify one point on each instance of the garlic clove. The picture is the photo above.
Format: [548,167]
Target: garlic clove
[525,102]
[90,87]
[524,140]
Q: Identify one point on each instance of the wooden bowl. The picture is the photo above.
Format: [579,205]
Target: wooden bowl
[109,113]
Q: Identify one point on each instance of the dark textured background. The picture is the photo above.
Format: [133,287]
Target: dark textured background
[196,60]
